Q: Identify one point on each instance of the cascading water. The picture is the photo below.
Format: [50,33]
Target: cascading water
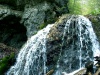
[32,57]
[82,45]
[79,45]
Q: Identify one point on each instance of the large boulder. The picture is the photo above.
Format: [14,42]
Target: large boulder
[41,14]
[64,46]
[33,17]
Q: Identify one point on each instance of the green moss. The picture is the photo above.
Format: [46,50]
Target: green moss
[6,62]
[96,24]
[47,22]
[42,26]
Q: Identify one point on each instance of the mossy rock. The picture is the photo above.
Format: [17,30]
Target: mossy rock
[6,62]
[95,19]
[43,25]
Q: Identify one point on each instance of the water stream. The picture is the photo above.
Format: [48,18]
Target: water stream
[80,46]
[32,57]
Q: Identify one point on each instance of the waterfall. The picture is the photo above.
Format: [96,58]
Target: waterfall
[82,45]
[32,57]
[79,45]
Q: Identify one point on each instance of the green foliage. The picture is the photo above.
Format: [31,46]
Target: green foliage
[42,26]
[84,6]
[47,22]
[6,62]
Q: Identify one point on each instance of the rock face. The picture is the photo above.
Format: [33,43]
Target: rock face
[7,11]
[54,42]
[39,13]
[69,45]
[33,17]
[21,19]
[12,33]
[95,19]
[6,50]
[7,57]
[16,25]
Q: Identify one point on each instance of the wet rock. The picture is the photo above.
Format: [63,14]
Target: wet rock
[54,42]
[95,19]
[97,64]
[6,50]
[50,72]
[77,72]
[12,32]
[97,58]
[89,67]
[81,72]
[67,45]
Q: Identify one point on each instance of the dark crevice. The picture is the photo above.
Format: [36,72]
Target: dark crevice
[12,33]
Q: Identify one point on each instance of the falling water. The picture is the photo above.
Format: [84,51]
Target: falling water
[32,57]
[79,45]
[82,45]
[58,72]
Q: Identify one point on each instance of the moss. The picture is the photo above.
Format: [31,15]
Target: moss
[96,24]
[47,22]
[42,26]
[6,62]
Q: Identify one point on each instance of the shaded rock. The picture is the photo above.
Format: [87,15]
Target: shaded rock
[89,67]
[12,33]
[35,13]
[11,3]
[7,11]
[6,50]
[54,42]
[95,19]
[67,47]
[97,58]
[97,64]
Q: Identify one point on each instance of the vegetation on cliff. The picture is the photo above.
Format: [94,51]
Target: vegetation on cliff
[6,63]
[20,19]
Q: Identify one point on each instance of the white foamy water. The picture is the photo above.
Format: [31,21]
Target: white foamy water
[32,58]
[82,48]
